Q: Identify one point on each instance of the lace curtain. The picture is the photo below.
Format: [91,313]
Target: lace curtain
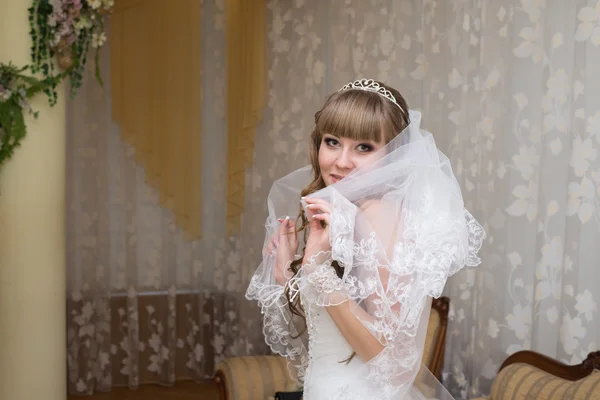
[509,91]
[145,303]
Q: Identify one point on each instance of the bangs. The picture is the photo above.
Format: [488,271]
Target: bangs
[354,114]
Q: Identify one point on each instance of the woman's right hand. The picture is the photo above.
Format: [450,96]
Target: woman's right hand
[286,246]
[318,212]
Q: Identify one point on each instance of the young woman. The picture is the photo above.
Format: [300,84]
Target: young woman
[345,287]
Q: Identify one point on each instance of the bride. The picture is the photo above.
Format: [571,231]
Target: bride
[380,222]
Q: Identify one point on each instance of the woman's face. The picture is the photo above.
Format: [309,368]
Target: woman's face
[339,156]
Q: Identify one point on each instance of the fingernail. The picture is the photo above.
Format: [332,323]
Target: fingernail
[287,217]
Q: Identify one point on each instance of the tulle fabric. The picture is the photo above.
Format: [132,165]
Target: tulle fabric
[399,229]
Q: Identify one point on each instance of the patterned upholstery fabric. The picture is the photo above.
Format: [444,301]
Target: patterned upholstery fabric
[524,382]
[255,378]
[259,377]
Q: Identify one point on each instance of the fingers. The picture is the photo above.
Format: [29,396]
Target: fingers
[291,231]
[287,229]
[322,207]
[322,217]
[283,227]
[315,200]
[272,245]
[318,210]
[317,205]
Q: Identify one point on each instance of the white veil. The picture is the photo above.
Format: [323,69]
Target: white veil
[399,229]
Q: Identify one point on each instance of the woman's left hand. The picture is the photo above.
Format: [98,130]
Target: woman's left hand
[318,238]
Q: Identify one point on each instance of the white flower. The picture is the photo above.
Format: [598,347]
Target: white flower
[318,71]
[520,320]
[493,328]
[52,20]
[581,197]
[54,42]
[386,41]
[552,314]
[155,342]
[588,27]
[570,331]
[5,95]
[98,40]
[526,160]
[81,386]
[532,44]
[552,253]
[558,87]
[198,352]
[533,8]
[83,23]
[218,343]
[56,4]
[583,153]
[586,304]
[95,4]
[594,125]
[525,202]
[422,67]
[108,4]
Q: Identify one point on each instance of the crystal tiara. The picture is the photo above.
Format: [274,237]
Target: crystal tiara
[371,86]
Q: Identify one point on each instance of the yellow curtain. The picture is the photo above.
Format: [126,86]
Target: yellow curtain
[245,21]
[155,70]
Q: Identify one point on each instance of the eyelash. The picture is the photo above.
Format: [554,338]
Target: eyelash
[333,142]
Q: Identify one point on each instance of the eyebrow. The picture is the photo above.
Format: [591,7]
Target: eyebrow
[360,141]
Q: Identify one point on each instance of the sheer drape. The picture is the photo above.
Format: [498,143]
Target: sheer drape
[509,90]
[507,87]
[145,304]
[245,34]
[155,84]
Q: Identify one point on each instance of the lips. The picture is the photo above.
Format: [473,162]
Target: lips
[336,178]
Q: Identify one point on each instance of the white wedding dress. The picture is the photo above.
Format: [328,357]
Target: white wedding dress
[328,374]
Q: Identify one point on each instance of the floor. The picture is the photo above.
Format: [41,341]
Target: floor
[184,390]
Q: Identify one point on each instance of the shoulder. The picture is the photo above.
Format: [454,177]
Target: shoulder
[378,206]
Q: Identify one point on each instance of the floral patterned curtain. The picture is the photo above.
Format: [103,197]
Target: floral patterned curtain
[145,302]
[507,87]
[509,90]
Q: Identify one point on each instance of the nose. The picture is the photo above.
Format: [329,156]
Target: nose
[344,161]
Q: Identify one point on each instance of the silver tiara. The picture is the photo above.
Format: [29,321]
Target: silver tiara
[371,86]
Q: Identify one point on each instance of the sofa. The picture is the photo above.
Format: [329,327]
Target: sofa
[529,375]
[260,377]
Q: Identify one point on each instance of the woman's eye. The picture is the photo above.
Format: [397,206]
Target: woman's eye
[365,148]
[331,142]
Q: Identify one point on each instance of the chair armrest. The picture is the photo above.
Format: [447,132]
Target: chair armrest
[253,377]
[555,367]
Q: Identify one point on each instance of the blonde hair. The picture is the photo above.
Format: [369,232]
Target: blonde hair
[354,114]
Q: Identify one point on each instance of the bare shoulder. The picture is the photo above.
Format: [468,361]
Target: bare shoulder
[384,211]
[384,216]
[373,206]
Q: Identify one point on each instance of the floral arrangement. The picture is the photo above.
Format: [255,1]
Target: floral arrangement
[62,32]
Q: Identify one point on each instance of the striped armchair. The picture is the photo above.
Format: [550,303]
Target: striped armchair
[530,375]
[259,377]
